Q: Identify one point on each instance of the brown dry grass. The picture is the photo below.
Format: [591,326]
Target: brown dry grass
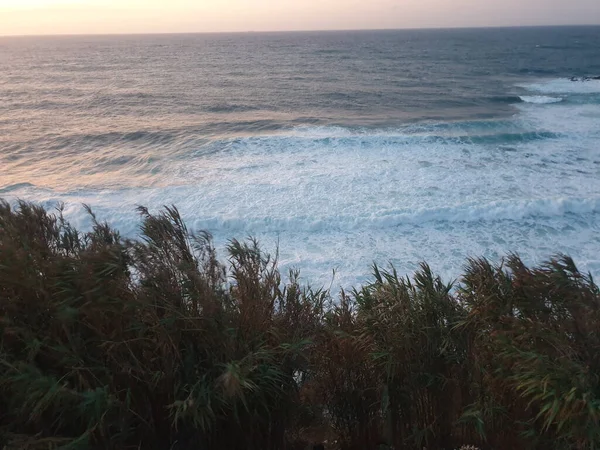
[108,343]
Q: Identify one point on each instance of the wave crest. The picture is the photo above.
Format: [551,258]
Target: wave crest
[564,86]
[462,213]
[540,99]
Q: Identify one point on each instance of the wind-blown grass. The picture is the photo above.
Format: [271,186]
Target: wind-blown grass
[110,343]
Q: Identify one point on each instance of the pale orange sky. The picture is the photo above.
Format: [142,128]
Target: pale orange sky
[22,17]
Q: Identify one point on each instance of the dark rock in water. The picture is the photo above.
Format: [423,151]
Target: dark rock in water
[584,78]
[318,447]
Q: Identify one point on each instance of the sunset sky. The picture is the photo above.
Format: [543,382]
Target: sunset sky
[18,17]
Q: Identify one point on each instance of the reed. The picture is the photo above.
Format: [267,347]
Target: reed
[157,343]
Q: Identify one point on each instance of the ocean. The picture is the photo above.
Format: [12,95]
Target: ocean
[340,148]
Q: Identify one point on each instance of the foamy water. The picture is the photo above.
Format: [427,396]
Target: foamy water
[342,196]
[336,198]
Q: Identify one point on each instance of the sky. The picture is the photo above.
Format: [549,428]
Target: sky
[41,17]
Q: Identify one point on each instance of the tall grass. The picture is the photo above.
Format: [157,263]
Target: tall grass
[154,343]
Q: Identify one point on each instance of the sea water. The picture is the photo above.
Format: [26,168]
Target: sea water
[340,148]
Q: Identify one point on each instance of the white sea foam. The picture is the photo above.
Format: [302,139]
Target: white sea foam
[349,243]
[320,221]
[564,86]
[341,198]
[540,99]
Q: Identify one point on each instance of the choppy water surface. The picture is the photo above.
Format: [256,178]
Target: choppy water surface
[345,147]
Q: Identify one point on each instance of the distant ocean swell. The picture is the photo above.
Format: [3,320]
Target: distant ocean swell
[339,136]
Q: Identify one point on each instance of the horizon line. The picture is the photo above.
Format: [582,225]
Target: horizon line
[340,30]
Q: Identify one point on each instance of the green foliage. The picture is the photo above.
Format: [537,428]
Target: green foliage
[109,343]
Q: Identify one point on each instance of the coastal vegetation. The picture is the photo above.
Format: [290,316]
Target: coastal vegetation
[157,343]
